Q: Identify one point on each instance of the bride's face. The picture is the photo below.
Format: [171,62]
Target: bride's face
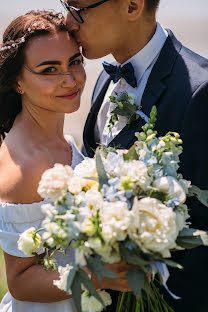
[53,76]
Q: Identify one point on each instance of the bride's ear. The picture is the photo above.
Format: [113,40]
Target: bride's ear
[135,9]
[18,88]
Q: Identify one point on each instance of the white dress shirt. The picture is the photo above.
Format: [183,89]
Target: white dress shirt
[143,63]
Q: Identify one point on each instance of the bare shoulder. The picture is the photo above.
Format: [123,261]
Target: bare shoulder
[21,170]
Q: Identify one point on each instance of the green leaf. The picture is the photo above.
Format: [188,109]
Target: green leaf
[153,114]
[191,238]
[202,195]
[148,288]
[96,265]
[131,154]
[89,285]
[102,176]
[92,179]
[133,256]
[136,281]
[120,111]
[76,291]
[70,278]
[172,263]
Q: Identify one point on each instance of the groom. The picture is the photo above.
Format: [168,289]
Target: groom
[160,71]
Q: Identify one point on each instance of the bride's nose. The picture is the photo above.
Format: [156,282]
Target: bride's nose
[68,80]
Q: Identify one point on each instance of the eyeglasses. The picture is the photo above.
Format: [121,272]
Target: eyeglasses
[76,13]
[58,75]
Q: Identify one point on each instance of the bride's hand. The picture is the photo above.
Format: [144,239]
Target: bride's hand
[120,283]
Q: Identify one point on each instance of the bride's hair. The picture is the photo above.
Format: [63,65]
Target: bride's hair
[15,38]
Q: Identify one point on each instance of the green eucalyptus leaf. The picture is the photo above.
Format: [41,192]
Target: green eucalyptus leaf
[86,281]
[102,176]
[130,109]
[131,154]
[136,281]
[202,195]
[70,278]
[133,256]
[76,291]
[191,238]
[172,263]
[95,264]
[120,111]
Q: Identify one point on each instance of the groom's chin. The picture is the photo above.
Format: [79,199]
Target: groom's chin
[92,54]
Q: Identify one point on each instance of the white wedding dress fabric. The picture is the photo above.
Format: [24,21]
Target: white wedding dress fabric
[15,219]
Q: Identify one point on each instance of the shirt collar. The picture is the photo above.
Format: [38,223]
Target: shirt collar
[145,57]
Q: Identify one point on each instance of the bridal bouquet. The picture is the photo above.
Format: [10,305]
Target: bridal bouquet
[127,205]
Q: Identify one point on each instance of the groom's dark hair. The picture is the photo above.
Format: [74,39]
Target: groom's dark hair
[152,4]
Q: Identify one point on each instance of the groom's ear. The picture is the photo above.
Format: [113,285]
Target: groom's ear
[135,9]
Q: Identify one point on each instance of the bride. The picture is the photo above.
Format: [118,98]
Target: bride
[41,78]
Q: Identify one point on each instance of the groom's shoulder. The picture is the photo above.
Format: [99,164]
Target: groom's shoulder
[194,59]
[195,64]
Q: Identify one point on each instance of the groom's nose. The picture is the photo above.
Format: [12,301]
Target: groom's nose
[71,23]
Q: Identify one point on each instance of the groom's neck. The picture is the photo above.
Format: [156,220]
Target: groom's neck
[134,40]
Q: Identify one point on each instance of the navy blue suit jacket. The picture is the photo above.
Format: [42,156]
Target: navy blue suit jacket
[178,86]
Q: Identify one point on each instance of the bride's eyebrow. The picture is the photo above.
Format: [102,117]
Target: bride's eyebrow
[50,62]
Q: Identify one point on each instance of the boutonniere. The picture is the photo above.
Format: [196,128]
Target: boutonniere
[124,105]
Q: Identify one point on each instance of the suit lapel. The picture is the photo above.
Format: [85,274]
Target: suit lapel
[88,134]
[155,88]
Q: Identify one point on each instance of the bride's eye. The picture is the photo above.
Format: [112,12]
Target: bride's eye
[76,62]
[49,70]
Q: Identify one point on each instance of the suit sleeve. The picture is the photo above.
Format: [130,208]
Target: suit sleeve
[194,159]
[191,282]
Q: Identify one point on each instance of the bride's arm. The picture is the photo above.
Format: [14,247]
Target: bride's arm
[28,281]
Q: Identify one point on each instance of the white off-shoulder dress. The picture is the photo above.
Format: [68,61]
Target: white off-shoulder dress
[15,219]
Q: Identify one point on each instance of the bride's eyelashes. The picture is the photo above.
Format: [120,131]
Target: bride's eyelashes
[54,70]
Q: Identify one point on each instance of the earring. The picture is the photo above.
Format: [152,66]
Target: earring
[19,91]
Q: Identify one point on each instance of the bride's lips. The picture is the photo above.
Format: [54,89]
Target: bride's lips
[69,95]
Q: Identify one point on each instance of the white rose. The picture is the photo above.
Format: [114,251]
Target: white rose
[75,185]
[91,304]
[87,168]
[114,220]
[29,242]
[171,187]
[54,182]
[63,276]
[153,226]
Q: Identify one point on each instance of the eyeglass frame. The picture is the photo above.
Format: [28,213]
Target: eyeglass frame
[49,74]
[70,8]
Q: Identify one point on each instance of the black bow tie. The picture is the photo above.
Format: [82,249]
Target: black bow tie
[117,72]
